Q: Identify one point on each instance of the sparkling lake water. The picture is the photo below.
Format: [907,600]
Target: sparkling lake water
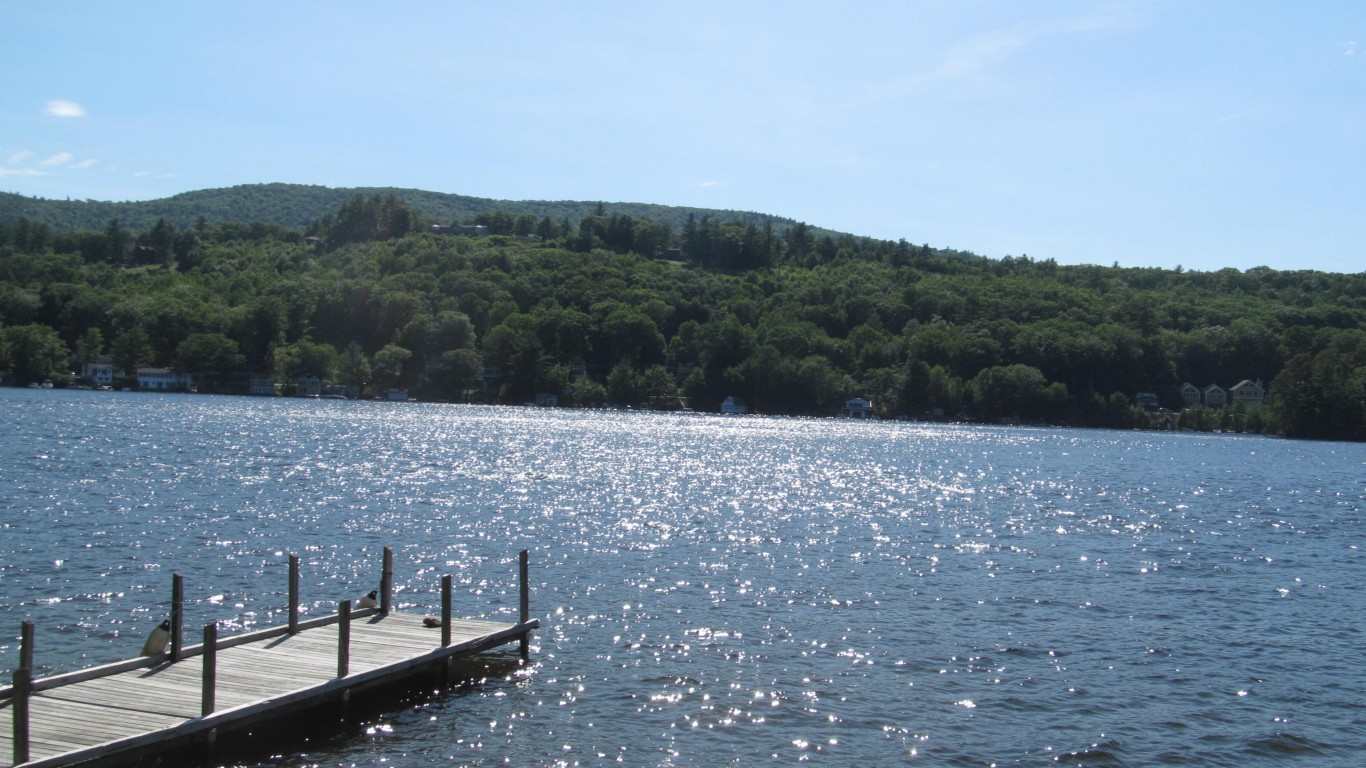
[726,591]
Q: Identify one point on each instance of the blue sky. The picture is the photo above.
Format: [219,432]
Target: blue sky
[1201,134]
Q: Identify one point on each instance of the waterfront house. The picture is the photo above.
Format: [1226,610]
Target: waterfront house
[1190,393]
[308,386]
[101,372]
[1248,392]
[859,408]
[261,385]
[1146,400]
[1215,396]
[162,379]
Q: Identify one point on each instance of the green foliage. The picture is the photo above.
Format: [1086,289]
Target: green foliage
[365,219]
[131,350]
[296,207]
[32,352]
[304,358]
[390,367]
[1015,392]
[353,367]
[207,352]
[1323,395]
[457,375]
[793,319]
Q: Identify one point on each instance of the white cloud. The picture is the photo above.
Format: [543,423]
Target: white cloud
[709,184]
[974,56]
[19,172]
[1237,115]
[19,157]
[64,108]
[61,158]
[84,163]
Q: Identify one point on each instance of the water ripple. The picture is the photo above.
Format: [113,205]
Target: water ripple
[718,591]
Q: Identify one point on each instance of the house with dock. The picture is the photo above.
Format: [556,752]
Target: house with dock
[859,408]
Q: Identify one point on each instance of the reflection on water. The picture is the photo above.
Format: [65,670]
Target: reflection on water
[729,591]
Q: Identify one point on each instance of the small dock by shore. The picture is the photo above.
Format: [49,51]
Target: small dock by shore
[193,695]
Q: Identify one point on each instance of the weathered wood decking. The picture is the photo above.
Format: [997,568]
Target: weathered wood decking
[141,705]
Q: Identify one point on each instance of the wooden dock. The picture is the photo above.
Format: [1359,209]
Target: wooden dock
[195,694]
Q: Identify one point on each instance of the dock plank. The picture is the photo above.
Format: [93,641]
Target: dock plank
[123,710]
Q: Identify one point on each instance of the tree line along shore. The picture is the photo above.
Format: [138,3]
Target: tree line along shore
[679,311]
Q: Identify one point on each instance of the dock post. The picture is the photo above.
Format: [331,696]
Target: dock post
[293,594]
[525,603]
[206,699]
[386,582]
[177,616]
[23,686]
[26,645]
[344,639]
[445,610]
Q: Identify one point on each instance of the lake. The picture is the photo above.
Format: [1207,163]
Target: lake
[726,590]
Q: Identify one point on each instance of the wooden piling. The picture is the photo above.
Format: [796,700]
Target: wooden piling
[210,684]
[177,617]
[344,639]
[23,688]
[522,579]
[293,594]
[386,583]
[23,678]
[26,645]
[445,610]
[525,613]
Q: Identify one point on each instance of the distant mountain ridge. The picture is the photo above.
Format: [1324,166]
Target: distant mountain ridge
[296,206]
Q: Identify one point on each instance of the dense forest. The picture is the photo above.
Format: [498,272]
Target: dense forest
[299,206]
[644,305]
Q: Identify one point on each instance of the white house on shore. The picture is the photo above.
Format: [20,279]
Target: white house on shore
[101,372]
[162,379]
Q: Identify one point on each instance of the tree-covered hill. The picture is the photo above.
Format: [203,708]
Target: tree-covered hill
[615,306]
[296,206]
